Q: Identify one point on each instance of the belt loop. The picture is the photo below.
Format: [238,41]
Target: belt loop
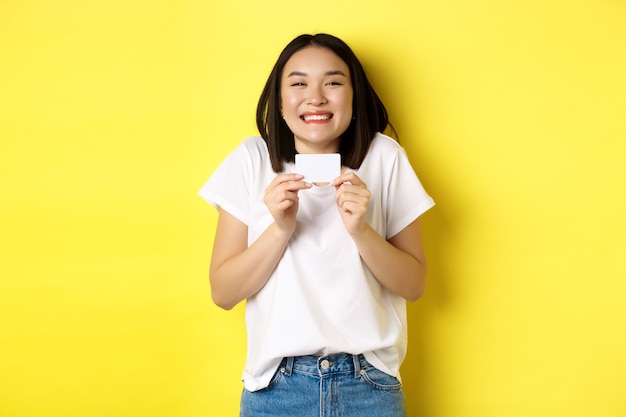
[356,359]
[289,366]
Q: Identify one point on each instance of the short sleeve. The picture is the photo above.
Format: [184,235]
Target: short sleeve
[406,197]
[230,185]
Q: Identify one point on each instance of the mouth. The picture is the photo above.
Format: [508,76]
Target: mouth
[316,117]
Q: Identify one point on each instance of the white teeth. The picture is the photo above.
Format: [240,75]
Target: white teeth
[316,117]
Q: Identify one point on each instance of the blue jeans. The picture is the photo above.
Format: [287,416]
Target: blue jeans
[326,386]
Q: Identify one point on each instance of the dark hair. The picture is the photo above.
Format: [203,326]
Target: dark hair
[369,113]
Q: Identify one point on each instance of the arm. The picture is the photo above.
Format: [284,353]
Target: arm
[398,263]
[239,271]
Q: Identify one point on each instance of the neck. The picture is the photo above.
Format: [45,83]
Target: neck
[307,148]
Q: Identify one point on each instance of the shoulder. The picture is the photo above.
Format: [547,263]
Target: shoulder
[384,147]
[252,150]
[386,159]
[254,145]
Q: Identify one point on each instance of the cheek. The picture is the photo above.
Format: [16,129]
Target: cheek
[346,102]
[287,102]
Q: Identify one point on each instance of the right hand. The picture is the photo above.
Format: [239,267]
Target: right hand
[281,198]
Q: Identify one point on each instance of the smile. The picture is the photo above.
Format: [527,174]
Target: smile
[316,117]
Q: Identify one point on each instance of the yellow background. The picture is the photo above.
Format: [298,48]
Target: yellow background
[113,113]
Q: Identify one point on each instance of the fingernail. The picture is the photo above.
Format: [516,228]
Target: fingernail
[299,177]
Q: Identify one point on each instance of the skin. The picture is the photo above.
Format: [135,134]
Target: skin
[315,82]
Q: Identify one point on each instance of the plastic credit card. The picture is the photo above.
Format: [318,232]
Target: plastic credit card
[318,167]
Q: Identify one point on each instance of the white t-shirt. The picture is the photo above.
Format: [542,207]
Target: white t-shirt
[321,298]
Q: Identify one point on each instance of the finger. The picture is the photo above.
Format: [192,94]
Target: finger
[353,192]
[278,197]
[285,204]
[352,188]
[353,205]
[289,189]
[348,177]
[353,208]
[282,178]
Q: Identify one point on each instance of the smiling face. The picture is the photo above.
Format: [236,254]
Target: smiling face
[316,99]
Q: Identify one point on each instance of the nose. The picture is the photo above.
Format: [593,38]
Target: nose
[316,96]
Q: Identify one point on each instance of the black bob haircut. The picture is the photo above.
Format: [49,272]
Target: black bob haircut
[369,113]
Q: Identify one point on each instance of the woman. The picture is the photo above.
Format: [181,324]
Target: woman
[326,268]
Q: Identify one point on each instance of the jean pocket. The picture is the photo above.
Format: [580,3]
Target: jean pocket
[276,378]
[379,379]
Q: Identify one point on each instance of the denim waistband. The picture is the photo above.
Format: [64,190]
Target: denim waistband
[324,365]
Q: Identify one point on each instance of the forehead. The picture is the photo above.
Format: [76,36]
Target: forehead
[315,60]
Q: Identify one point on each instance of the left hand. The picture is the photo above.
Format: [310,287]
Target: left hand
[352,198]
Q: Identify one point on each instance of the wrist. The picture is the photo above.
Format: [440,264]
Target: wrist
[361,232]
[282,233]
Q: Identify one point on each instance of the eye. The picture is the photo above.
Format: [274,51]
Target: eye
[298,84]
[333,83]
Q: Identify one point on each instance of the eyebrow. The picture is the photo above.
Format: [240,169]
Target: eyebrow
[303,74]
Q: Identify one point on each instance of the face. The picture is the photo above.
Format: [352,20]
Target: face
[316,99]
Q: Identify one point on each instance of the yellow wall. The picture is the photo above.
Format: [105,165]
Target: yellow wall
[113,113]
